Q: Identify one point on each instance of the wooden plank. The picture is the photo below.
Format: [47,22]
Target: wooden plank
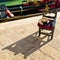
[19,17]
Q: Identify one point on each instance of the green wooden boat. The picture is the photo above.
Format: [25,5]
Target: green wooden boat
[14,2]
[11,2]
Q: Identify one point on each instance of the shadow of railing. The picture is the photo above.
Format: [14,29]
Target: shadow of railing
[27,45]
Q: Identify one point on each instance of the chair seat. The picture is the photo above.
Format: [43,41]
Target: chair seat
[45,27]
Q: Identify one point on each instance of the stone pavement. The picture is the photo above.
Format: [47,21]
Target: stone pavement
[19,41]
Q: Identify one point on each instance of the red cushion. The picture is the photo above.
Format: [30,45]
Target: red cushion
[45,27]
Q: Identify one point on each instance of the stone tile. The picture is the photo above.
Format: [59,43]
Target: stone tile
[51,52]
[47,58]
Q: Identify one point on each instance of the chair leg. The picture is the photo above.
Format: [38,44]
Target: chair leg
[39,31]
[52,34]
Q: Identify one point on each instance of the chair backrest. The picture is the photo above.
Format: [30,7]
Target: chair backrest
[50,14]
[53,15]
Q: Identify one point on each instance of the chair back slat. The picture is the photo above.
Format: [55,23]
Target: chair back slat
[54,12]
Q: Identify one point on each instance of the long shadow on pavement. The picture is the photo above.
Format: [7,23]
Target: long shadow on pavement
[27,45]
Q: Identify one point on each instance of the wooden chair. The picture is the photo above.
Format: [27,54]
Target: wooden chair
[46,26]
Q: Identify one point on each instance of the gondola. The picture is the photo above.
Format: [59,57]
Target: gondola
[28,7]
